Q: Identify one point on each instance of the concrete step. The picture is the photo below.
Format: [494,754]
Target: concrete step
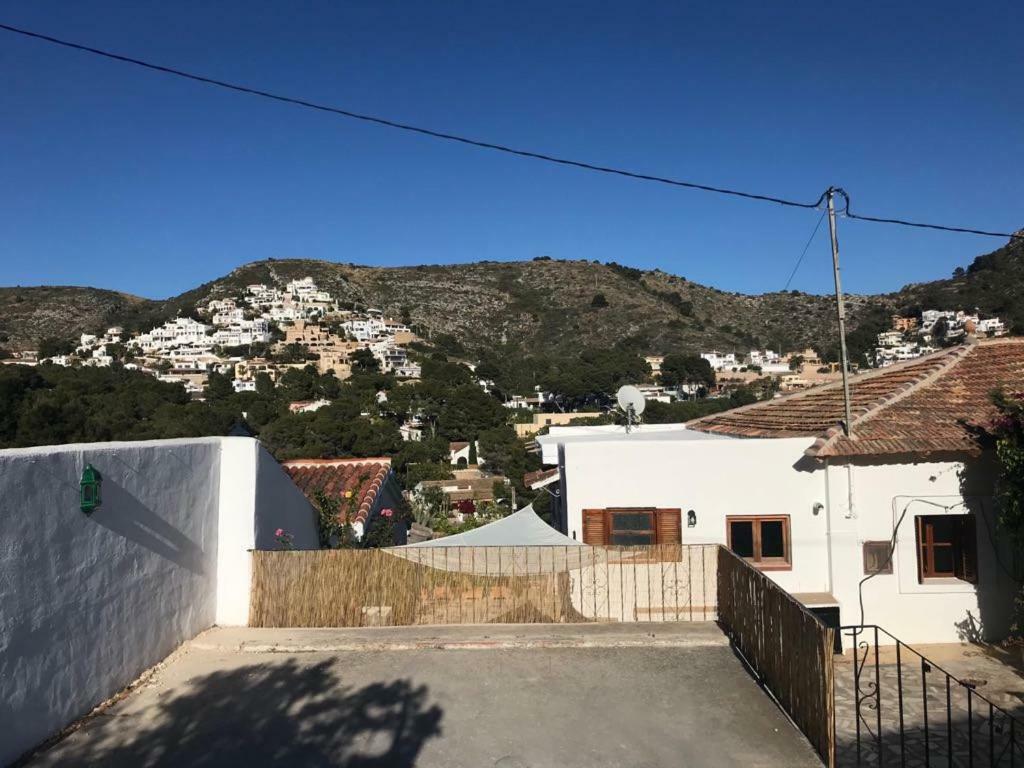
[462,637]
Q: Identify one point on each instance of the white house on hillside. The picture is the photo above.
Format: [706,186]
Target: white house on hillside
[781,484]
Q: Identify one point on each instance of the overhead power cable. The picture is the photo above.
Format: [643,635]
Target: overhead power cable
[804,251]
[469,141]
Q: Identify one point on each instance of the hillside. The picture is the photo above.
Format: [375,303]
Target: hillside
[542,306]
[992,283]
[30,314]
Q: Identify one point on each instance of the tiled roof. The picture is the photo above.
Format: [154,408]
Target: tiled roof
[364,478]
[921,407]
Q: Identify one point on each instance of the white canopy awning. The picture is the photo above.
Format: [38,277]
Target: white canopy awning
[520,529]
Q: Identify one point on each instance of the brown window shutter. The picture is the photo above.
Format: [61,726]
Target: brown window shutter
[668,526]
[595,527]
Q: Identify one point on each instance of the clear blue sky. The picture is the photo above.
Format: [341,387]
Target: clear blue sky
[120,178]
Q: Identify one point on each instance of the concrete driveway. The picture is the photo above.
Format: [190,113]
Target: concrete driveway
[453,697]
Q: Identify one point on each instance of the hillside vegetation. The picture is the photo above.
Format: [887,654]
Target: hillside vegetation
[543,307]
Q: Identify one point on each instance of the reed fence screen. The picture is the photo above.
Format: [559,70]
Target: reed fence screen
[787,646]
[483,585]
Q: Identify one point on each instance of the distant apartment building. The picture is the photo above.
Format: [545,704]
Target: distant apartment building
[654,363]
[904,324]
[180,331]
[541,420]
[243,332]
[720,360]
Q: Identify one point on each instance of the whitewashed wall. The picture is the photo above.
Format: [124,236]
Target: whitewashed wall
[936,611]
[715,478]
[89,602]
[749,477]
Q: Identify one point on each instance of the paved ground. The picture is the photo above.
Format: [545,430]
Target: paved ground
[452,697]
[979,736]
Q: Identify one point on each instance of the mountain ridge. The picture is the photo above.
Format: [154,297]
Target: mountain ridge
[545,305]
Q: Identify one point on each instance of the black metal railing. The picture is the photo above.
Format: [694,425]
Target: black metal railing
[896,707]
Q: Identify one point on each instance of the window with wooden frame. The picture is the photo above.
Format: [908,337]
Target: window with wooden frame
[762,540]
[877,558]
[631,526]
[946,548]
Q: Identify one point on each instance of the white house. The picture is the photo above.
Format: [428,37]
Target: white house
[718,360]
[181,331]
[780,483]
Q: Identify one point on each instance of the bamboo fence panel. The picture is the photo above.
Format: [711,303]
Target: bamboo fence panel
[481,585]
[787,646]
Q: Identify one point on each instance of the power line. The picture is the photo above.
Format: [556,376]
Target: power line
[405,126]
[904,223]
[804,251]
[476,142]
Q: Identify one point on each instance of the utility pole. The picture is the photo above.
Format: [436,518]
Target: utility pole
[840,308]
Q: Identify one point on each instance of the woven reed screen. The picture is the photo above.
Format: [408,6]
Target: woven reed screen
[482,585]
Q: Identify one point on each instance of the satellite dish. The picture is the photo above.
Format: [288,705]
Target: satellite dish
[631,399]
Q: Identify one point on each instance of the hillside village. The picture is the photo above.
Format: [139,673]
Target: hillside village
[266,330]
[412,386]
[256,336]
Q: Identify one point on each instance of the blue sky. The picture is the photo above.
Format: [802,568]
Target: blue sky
[120,178]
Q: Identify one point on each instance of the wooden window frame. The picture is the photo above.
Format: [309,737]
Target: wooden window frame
[656,530]
[964,549]
[610,529]
[784,563]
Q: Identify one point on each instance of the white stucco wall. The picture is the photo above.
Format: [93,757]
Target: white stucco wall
[715,478]
[89,602]
[750,477]
[935,611]
[256,498]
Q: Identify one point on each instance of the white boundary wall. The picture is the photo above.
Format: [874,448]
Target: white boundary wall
[89,602]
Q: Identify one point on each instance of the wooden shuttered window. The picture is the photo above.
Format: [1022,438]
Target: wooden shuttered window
[669,526]
[946,547]
[625,526]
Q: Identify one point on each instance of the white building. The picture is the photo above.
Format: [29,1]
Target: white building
[991,326]
[720,360]
[242,332]
[780,483]
[365,328]
[228,316]
[181,331]
[306,291]
[259,294]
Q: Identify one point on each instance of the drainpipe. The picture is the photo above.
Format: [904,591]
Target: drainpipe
[828,532]
[850,513]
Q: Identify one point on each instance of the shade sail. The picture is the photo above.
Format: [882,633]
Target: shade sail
[520,529]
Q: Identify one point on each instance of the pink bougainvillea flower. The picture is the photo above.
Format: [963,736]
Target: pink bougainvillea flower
[387,512]
[279,532]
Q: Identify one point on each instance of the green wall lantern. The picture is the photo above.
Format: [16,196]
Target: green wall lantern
[92,482]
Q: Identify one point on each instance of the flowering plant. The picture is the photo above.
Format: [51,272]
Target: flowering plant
[284,539]
[387,512]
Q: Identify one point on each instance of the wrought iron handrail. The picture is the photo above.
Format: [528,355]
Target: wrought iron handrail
[869,696]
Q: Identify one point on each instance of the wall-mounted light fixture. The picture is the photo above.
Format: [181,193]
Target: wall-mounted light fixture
[818,506]
[691,519]
[91,489]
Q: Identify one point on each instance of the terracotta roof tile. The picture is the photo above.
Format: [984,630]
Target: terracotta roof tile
[921,407]
[364,478]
